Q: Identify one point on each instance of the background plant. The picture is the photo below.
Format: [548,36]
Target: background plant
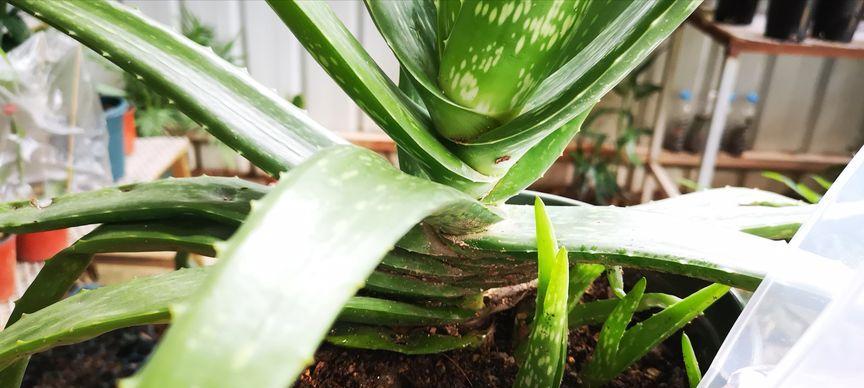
[595,173]
[342,219]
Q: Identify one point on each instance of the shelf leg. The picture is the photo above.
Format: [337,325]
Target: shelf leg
[718,121]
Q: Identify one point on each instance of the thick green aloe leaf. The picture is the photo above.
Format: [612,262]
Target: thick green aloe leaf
[612,41]
[248,117]
[419,265]
[90,313]
[754,211]
[632,238]
[447,12]
[691,364]
[645,335]
[409,27]
[596,312]
[339,213]
[499,51]
[596,370]
[379,338]
[224,200]
[545,351]
[339,53]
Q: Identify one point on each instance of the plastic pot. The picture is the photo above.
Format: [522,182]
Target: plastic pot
[41,246]
[8,278]
[115,108]
[130,132]
[788,19]
[738,12]
[836,20]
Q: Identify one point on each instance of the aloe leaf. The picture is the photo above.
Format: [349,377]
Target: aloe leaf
[246,116]
[615,274]
[597,370]
[546,349]
[643,336]
[447,12]
[391,284]
[799,188]
[499,51]
[614,40]
[691,364]
[324,201]
[754,211]
[361,309]
[410,29]
[631,238]
[582,275]
[596,312]
[822,182]
[90,313]
[547,250]
[420,265]
[149,300]
[379,338]
[223,200]
[339,53]
[535,162]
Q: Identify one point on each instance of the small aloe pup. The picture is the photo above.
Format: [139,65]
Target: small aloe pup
[544,355]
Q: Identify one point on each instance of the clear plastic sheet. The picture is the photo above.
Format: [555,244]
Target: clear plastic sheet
[804,325]
[58,142]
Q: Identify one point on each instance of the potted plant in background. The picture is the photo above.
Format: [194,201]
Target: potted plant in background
[8,258]
[436,257]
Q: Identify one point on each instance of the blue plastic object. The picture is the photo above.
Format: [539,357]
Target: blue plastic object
[115,107]
[685,95]
[752,97]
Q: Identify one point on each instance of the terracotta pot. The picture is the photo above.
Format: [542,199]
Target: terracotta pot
[41,246]
[130,133]
[8,276]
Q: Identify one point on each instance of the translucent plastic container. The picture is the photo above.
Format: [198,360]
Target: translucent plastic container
[804,325]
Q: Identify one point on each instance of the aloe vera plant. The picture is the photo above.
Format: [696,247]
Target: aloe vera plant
[428,245]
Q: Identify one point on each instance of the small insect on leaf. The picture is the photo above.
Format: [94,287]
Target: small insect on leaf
[691,365]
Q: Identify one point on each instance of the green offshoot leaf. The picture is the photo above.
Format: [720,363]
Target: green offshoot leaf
[596,312]
[645,335]
[582,275]
[251,327]
[615,274]
[691,364]
[596,370]
[546,349]
[799,188]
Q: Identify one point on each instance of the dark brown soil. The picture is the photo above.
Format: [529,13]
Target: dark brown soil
[490,366]
[103,360]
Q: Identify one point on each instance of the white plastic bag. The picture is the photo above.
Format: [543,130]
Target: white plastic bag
[59,139]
